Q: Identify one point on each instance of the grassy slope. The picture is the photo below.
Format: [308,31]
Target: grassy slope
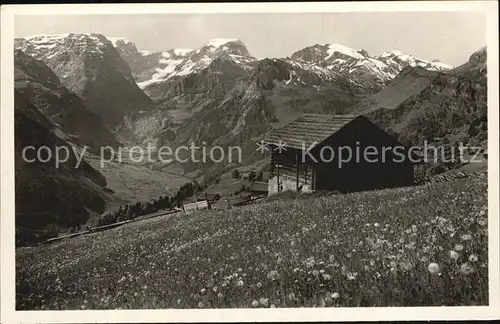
[372,248]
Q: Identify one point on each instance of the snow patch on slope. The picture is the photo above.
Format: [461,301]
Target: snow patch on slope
[218,42]
[117,40]
[334,48]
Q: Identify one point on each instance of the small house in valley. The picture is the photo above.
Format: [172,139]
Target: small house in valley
[336,152]
[258,189]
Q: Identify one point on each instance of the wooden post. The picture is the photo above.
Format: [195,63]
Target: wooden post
[278,176]
[296,172]
[313,177]
[305,173]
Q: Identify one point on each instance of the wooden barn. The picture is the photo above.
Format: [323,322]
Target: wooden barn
[312,153]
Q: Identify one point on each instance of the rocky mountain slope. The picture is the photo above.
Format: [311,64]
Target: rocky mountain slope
[137,61]
[39,86]
[90,66]
[451,106]
[50,198]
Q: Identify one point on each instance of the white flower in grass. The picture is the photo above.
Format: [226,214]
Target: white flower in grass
[255,303]
[459,247]
[405,265]
[335,295]
[264,302]
[466,268]
[351,275]
[433,267]
[473,258]
[240,283]
[273,275]
[466,237]
[454,255]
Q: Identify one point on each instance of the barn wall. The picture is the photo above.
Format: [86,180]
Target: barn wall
[353,175]
[362,175]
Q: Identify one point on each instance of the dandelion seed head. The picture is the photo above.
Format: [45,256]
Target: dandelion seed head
[466,237]
[454,255]
[433,267]
[273,275]
[473,258]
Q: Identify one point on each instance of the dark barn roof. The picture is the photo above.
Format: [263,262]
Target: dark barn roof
[308,129]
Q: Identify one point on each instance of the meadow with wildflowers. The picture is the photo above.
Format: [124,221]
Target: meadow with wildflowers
[414,246]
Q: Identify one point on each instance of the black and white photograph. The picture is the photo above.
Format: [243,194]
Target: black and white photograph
[340,157]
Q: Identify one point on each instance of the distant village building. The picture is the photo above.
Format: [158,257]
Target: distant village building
[302,159]
[258,189]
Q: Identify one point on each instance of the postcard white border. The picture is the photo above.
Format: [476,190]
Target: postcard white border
[7,270]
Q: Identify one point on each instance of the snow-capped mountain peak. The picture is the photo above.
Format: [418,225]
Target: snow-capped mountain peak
[48,46]
[218,46]
[391,53]
[345,60]
[344,50]
[216,42]
[116,41]
[178,61]
[397,58]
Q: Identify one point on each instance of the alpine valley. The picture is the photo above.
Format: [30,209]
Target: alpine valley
[92,90]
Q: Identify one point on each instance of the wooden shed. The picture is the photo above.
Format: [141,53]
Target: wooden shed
[312,153]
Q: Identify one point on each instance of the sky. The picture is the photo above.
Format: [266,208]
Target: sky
[450,37]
